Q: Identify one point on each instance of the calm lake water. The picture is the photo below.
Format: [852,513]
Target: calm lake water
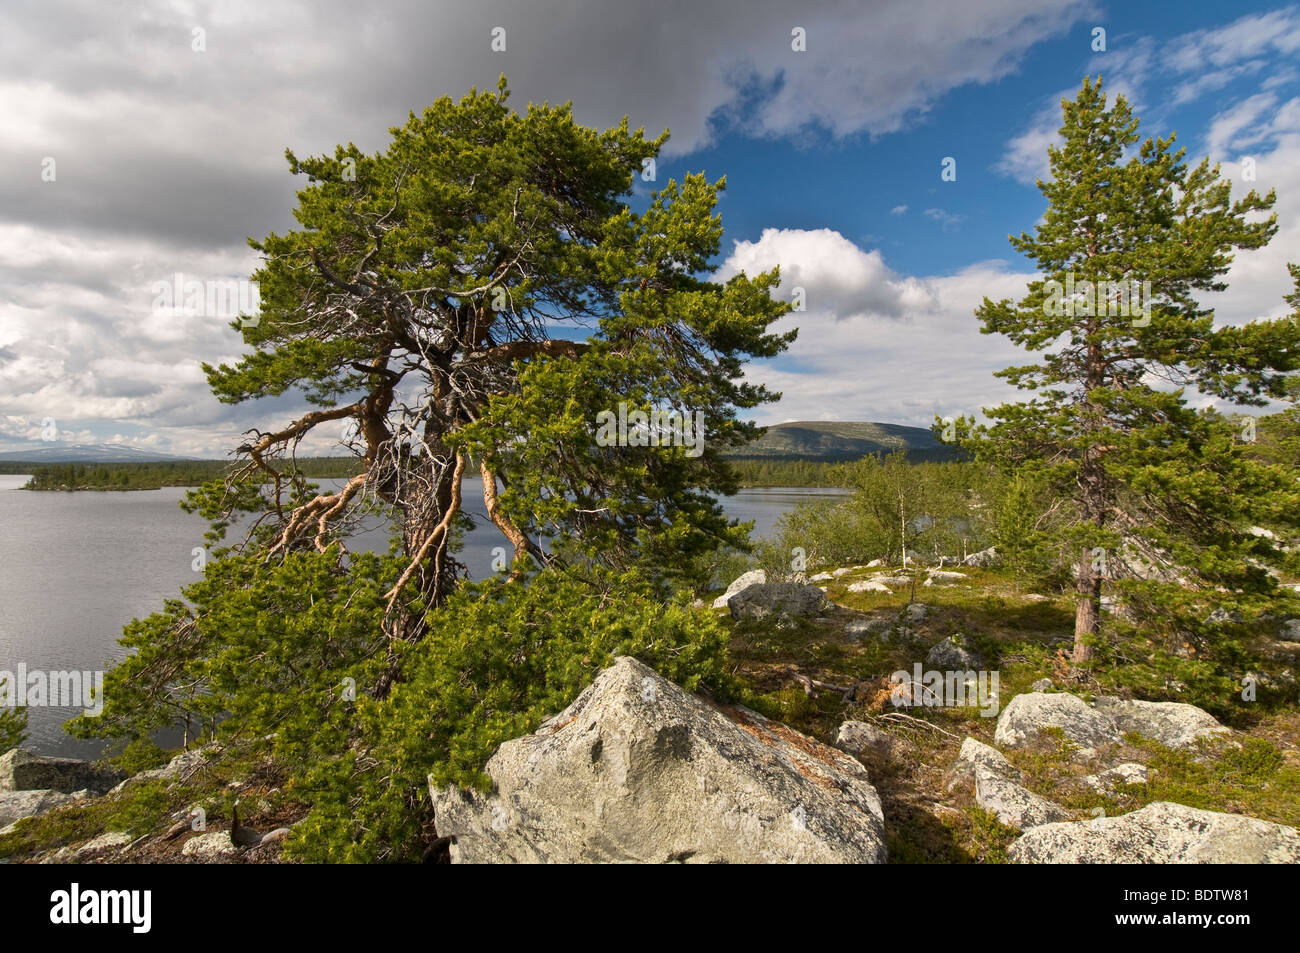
[76,567]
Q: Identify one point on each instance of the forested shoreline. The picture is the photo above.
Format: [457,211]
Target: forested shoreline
[188,473]
[155,475]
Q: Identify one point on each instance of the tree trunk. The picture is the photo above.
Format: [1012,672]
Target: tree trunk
[1092,484]
[424,509]
[1087,613]
[433,570]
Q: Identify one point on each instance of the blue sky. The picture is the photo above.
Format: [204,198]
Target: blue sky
[169,156]
[853,184]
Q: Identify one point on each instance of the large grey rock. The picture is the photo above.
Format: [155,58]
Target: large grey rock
[985,557]
[893,580]
[742,581]
[999,789]
[868,585]
[1022,719]
[949,655]
[1173,724]
[1014,805]
[942,577]
[23,770]
[1160,833]
[638,770]
[791,600]
[16,805]
[976,754]
[1290,631]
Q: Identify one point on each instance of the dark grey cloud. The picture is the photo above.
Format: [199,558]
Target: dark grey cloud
[167,158]
[154,138]
[196,201]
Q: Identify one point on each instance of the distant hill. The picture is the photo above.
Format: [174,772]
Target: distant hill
[838,440]
[86,453]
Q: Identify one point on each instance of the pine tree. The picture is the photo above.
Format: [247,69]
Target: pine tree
[1159,494]
[472,298]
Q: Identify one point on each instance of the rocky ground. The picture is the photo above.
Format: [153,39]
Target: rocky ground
[1111,758]
[832,763]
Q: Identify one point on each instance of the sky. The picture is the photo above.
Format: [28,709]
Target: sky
[139,141]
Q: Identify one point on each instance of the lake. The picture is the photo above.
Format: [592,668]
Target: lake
[76,567]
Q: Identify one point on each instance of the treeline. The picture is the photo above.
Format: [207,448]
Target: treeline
[157,474]
[766,471]
[756,471]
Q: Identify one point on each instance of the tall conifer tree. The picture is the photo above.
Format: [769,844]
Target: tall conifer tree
[1161,496]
